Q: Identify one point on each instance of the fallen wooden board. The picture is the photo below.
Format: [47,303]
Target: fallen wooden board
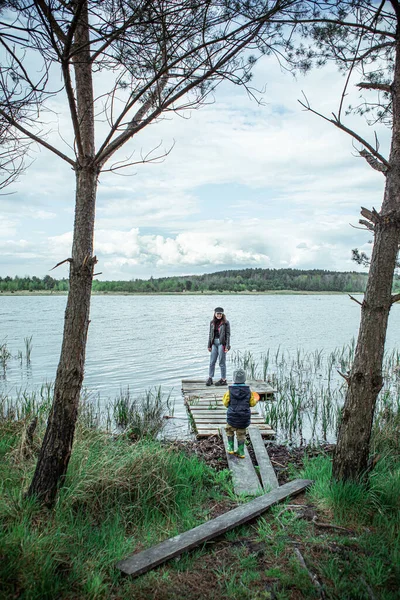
[244,477]
[267,473]
[148,559]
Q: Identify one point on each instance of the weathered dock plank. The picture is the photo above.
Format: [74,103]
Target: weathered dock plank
[267,472]
[217,419]
[203,433]
[215,411]
[148,559]
[261,387]
[244,477]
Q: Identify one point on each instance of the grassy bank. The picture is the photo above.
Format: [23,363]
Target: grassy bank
[118,497]
[337,541]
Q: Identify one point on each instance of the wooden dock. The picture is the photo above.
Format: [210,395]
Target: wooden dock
[245,481]
[209,414]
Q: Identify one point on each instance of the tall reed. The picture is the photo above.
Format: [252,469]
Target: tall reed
[28,349]
[311,391]
[5,356]
[140,416]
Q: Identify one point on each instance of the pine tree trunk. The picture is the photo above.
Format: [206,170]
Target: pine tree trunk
[365,381]
[56,449]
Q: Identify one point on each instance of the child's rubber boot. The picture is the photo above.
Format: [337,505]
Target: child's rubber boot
[230,445]
[240,450]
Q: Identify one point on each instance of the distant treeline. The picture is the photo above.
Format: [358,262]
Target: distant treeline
[244,280]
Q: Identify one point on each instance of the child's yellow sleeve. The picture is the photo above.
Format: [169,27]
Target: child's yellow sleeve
[226,399]
[254,398]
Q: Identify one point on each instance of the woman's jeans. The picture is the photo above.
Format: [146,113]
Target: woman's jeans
[217,351]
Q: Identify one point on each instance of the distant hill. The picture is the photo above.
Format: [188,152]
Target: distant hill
[241,280]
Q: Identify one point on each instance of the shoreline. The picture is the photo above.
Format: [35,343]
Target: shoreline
[209,293]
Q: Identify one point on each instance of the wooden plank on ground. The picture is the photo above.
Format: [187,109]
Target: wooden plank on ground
[148,559]
[244,477]
[267,473]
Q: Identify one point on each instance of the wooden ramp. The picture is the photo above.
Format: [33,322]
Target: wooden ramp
[209,414]
[244,477]
[268,477]
[148,559]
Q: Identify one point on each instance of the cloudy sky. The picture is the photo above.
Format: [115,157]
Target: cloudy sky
[245,185]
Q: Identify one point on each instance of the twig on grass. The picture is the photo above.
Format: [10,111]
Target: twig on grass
[369,590]
[330,526]
[312,576]
[278,463]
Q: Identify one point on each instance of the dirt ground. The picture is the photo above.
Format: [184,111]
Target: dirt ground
[212,451]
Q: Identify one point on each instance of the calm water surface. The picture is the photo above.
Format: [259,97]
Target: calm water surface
[145,341]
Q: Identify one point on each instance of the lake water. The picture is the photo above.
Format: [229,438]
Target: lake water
[145,341]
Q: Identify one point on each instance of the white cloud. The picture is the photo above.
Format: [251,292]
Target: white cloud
[245,185]
[44,215]
[7,227]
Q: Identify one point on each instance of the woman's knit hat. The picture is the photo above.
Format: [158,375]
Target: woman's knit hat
[218,309]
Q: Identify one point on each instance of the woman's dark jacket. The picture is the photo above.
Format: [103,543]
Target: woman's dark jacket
[224,334]
[239,414]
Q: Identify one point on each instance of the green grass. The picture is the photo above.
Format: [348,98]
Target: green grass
[352,550]
[118,497]
[368,557]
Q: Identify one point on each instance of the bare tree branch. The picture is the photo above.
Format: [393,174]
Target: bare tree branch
[355,300]
[384,87]
[353,134]
[36,138]
[373,162]
[49,22]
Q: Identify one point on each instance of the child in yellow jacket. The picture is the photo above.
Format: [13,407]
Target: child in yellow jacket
[238,400]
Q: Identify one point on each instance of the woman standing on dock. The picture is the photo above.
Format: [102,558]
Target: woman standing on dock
[218,344]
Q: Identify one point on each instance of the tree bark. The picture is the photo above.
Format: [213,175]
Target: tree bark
[365,382]
[56,449]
